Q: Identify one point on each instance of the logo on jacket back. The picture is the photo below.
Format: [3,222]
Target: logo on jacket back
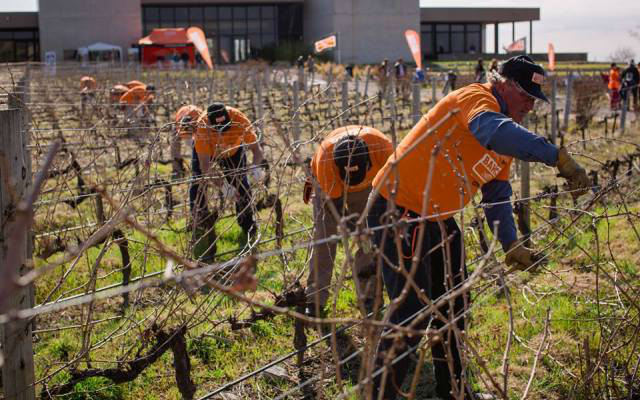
[486,169]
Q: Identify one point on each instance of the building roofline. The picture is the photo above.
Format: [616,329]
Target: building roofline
[487,15]
[19,20]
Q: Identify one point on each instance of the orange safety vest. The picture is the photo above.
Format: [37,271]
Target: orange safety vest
[224,144]
[132,84]
[461,165]
[614,79]
[325,170]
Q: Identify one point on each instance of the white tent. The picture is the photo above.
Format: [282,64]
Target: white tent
[100,46]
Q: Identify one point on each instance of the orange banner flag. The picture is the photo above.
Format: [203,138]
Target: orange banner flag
[552,57]
[326,43]
[196,36]
[413,40]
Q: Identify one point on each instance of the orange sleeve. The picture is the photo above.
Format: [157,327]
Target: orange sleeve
[240,120]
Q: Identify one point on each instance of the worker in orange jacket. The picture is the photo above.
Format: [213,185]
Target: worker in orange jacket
[136,102]
[614,87]
[222,137]
[343,168]
[464,144]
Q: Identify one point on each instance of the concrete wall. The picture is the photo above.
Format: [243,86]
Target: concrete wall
[69,24]
[369,30]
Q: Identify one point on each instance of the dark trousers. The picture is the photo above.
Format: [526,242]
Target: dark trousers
[434,277]
[235,173]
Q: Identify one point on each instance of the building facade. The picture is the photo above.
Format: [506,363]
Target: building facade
[367,30]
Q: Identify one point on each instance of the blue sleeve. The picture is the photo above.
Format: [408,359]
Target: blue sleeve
[501,134]
[500,192]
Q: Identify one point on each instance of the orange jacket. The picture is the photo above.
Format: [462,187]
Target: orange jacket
[224,144]
[88,83]
[323,166]
[614,79]
[132,84]
[136,95]
[188,110]
[461,166]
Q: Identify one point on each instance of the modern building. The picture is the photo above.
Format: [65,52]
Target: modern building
[367,30]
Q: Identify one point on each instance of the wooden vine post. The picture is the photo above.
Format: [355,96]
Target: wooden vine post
[15,183]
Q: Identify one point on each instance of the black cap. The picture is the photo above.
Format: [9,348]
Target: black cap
[529,75]
[219,117]
[151,88]
[351,156]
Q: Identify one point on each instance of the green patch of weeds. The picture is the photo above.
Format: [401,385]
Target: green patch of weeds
[96,388]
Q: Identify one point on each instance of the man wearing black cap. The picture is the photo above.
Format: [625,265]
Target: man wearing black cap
[342,169]
[431,177]
[223,133]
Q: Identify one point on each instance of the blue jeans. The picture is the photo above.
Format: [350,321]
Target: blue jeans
[433,279]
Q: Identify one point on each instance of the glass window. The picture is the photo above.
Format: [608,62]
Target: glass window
[442,42]
[457,28]
[182,15]
[240,26]
[151,14]
[473,28]
[268,26]
[239,13]
[426,42]
[253,26]
[457,42]
[6,51]
[210,28]
[253,12]
[268,39]
[196,16]
[255,41]
[21,51]
[268,12]
[210,13]
[225,27]
[442,27]
[6,35]
[224,12]
[166,14]
[149,26]
[474,45]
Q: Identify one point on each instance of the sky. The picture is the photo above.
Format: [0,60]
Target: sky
[593,26]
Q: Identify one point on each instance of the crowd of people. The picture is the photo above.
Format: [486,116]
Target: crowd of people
[408,197]
[623,86]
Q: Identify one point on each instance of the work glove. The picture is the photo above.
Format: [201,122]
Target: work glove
[522,258]
[576,176]
[256,175]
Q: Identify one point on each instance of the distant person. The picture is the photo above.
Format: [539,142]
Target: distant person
[136,103]
[614,87]
[493,67]
[480,74]
[300,62]
[384,73]
[630,81]
[402,81]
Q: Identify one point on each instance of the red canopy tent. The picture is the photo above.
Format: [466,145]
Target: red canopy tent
[169,43]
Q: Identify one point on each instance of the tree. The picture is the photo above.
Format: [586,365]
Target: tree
[622,54]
